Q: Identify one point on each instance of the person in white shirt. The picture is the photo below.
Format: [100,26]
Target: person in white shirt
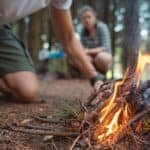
[17,77]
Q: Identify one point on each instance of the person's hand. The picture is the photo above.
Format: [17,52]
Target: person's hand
[97,81]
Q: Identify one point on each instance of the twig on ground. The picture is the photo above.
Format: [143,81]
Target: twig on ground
[42,132]
[83,107]
[36,127]
[63,122]
[47,120]
[77,139]
[54,145]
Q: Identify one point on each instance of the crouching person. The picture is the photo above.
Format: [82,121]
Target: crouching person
[95,37]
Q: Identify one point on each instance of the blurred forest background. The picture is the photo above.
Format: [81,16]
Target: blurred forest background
[128,21]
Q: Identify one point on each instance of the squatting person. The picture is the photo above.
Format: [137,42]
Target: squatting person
[95,37]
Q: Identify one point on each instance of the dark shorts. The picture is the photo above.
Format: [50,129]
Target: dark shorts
[14,56]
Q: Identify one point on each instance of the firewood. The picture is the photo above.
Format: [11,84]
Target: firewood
[134,119]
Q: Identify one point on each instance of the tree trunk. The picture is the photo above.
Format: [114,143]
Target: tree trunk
[130,34]
[148,22]
[34,35]
[22,30]
[105,13]
[113,34]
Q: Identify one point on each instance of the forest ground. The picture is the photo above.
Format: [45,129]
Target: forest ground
[54,92]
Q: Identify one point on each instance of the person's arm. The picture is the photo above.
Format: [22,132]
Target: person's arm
[63,27]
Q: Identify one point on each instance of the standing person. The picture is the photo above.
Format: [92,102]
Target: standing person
[17,77]
[95,37]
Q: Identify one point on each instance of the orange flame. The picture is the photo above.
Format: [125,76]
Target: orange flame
[113,126]
[109,122]
[142,61]
[111,104]
[113,116]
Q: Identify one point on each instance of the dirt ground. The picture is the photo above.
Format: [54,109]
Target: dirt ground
[53,93]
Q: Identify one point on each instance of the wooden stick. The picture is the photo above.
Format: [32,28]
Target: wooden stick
[47,120]
[93,96]
[54,145]
[35,127]
[139,138]
[42,132]
[77,139]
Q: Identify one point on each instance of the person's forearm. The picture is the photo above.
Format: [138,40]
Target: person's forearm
[77,53]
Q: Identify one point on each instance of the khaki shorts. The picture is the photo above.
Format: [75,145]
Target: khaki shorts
[13,55]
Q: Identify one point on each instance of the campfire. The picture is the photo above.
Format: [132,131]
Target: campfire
[118,111]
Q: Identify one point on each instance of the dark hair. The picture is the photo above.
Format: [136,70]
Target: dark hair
[84,9]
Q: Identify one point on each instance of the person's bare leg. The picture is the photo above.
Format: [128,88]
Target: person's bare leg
[103,61]
[22,86]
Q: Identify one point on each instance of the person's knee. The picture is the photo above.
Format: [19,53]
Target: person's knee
[103,61]
[24,86]
[29,93]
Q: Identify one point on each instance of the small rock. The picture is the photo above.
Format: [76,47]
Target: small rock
[49,117]
[40,109]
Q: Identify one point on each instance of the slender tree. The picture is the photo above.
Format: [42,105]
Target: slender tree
[105,13]
[34,35]
[112,24]
[148,22]
[22,30]
[130,33]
